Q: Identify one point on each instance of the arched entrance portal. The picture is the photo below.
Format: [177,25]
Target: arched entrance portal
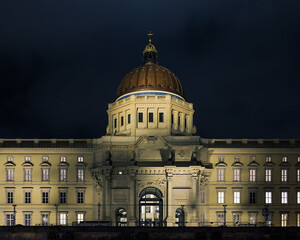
[121,217]
[151,207]
[179,217]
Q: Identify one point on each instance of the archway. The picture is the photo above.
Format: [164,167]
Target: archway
[179,217]
[151,207]
[121,217]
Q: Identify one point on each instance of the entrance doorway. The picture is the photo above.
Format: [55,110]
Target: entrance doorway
[151,206]
[179,217]
[121,217]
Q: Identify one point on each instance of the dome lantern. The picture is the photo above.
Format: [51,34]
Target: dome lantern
[150,52]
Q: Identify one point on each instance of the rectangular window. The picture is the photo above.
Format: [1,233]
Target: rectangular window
[221,159]
[45,158]
[148,209]
[27,217]
[63,219]
[80,159]
[283,175]
[298,197]
[10,175]
[62,197]
[252,219]
[80,175]
[236,219]
[252,158]
[129,118]
[220,219]
[80,197]
[284,219]
[284,197]
[202,199]
[221,175]
[284,159]
[63,159]
[202,219]
[161,117]
[268,175]
[45,197]
[28,174]
[27,197]
[62,174]
[45,174]
[236,159]
[221,196]
[10,219]
[268,197]
[122,121]
[10,197]
[10,159]
[45,219]
[141,117]
[179,121]
[236,197]
[115,123]
[268,159]
[252,175]
[172,118]
[298,219]
[236,175]
[184,122]
[27,159]
[150,117]
[80,217]
[252,197]
[298,175]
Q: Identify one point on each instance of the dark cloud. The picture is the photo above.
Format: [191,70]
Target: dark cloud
[61,63]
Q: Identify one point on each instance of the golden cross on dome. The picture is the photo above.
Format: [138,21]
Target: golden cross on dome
[150,34]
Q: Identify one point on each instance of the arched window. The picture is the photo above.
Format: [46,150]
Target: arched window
[179,217]
[121,217]
[151,206]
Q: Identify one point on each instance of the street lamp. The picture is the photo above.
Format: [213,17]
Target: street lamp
[99,205]
[14,205]
[224,215]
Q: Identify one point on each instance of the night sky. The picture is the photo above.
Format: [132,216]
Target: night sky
[61,63]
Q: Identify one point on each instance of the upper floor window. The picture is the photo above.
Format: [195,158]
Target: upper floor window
[237,197]
[10,175]
[237,175]
[115,123]
[268,159]
[221,159]
[252,197]
[63,159]
[221,197]
[27,174]
[80,197]
[80,159]
[62,174]
[80,175]
[252,175]
[298,175]
[284,197]
[10,159]
[161,117]
[252,158]
[27,159]
[141,117]
[236,159]
[129,118]
[27,197]
[45,197]
[45,174]
[10,197]
[298,159]
[150,117]
[221,175]
[62,197]
[284,159]
[298,197]
[122,121]
[45,158]
[268,197]
[268,175]
[172,118]
[284,175]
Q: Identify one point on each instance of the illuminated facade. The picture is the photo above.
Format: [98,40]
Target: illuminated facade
[150,169]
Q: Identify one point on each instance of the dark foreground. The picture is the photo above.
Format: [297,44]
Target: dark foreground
[140,233]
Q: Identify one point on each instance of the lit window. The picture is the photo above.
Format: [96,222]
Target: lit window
[45,174]
[202,199]
[252,219]
[284,219]
[63,159]
[221,175]
[140,117]
[148,209]
[268,159]
[27,217]
[298,197]
[236,197]
[10,159]
[236,219]
[80,159]
[298,175]
[80,197]
[252,197]
[298,219]
[220,219]
[298,159]
[27,159]
[268,175]
[252,159]
[284,159]
[161,117]
[284,197]
[10,219]
[45,219]
[122,121]
[62,197]
[129,118]
[27,197]
[221,159]
[268,197]
[150,117]
[28,174]
[62,174]
[236,175]
[80,175]
[220,197]
[80,217]
[10,197]
[252,175]
[45,158]
[10,175]
[236,159]
[63,219]
[45,197]
[283,175]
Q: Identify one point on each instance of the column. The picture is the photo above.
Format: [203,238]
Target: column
[107,195]
[132,205]
[170,210]
[175,119]
[194,212]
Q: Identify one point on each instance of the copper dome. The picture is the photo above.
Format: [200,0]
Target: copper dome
[150,76]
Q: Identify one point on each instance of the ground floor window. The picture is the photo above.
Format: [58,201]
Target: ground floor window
[10,219]
[236,219]
[45,219]
[252,219]
[62,219]
[220,219]
[179,217]
[121,217]
[79,217]
[298,219]
[284,219]
[27,217]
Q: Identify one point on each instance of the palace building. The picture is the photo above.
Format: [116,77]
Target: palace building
[150,169]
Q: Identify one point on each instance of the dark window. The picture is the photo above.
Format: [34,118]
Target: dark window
[45,198]
[185,123]
[122,121]
[62,197]
[172,118]
[10,197]
[140,117]
[129,118]
[27,197]
[115,122]
[178,121]
[80,197]
[161,117]
[150,117]
[252,197]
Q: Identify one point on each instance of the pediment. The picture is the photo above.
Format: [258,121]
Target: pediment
[284,164]
[237,164]
[253,164]
[45,164]
[63,164]
[27,164]
[269,164]
[81,165]
[221,164]
[9,164]
[151,142]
